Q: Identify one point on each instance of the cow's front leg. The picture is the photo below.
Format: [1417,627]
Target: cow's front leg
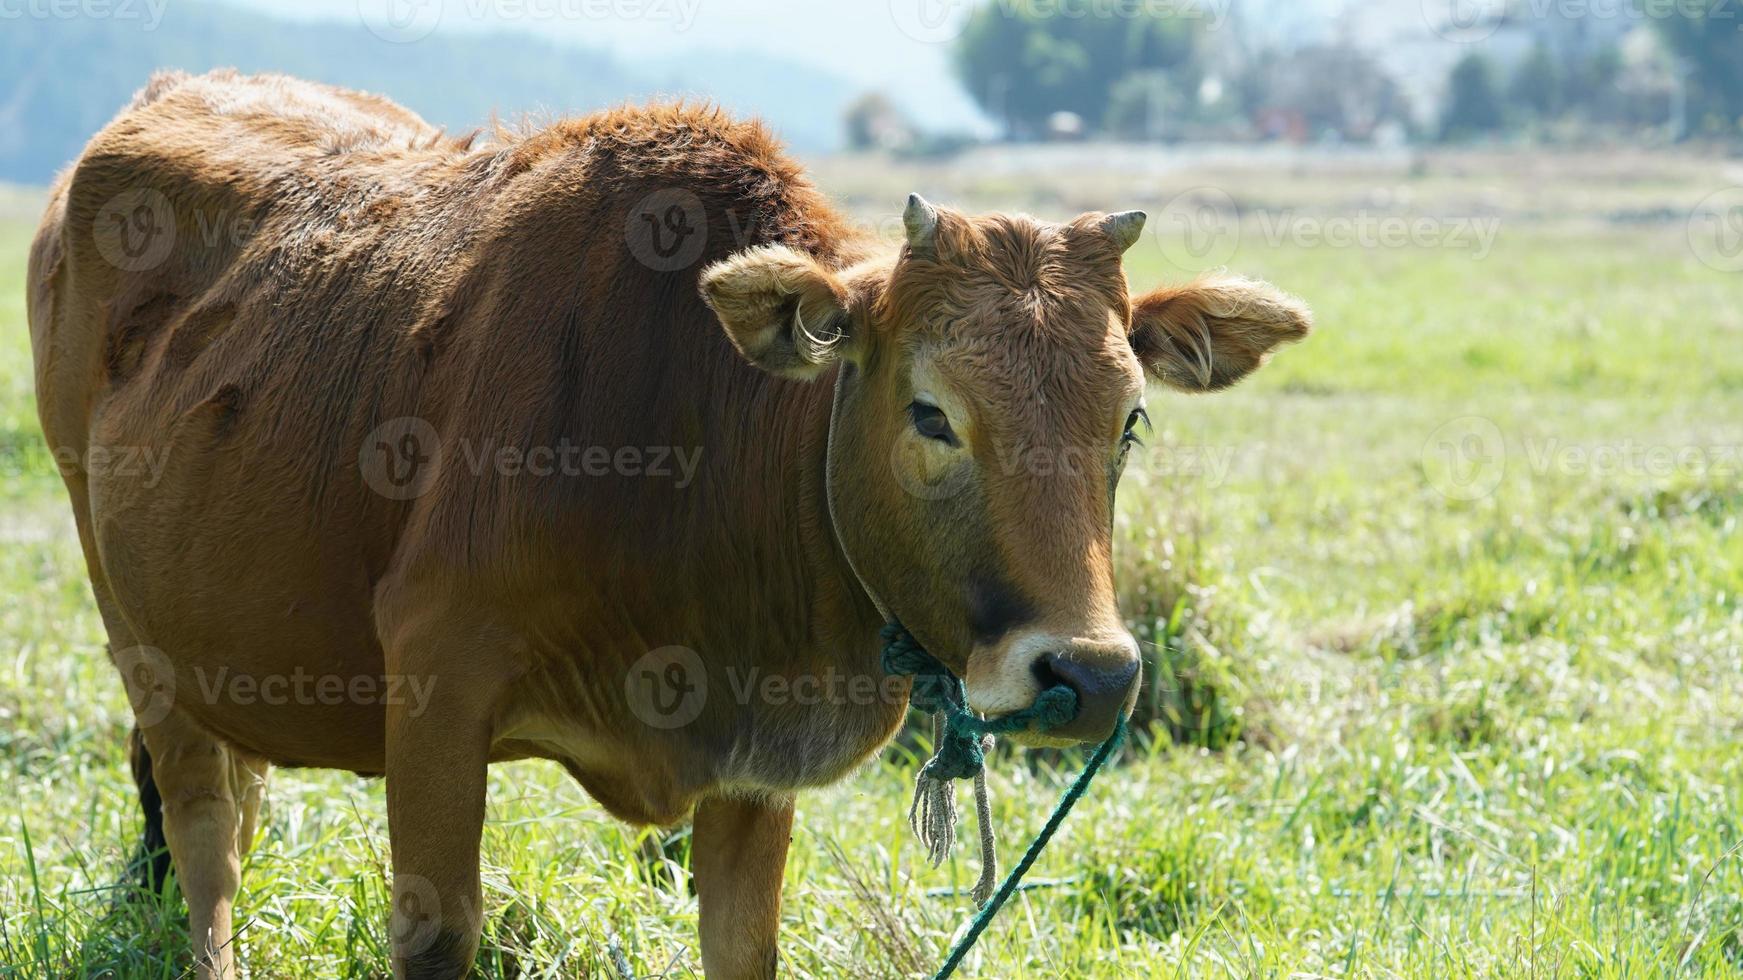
[738,852]
[438,752]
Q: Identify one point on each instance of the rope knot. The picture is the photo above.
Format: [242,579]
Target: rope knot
[960,744]
[958,755]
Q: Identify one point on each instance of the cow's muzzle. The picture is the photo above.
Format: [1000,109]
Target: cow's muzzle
[1102,672]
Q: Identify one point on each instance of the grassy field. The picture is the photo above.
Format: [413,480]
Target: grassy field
[1448,602]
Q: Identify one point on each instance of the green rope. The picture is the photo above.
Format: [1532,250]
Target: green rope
[959,754]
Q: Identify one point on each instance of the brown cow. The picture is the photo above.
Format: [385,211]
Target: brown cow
[456,464]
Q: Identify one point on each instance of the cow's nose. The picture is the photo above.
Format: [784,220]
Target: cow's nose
[1105,677]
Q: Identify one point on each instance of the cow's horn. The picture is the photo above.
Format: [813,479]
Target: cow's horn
[921,222]
[1124,227]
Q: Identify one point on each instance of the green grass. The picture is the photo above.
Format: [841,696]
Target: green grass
[1415,734]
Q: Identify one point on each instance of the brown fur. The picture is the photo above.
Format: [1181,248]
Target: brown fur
[369,268]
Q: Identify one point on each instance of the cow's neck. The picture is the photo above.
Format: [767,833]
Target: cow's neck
[813,735]
[838,392]
[862,612]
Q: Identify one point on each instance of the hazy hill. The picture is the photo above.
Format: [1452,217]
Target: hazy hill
[62,79]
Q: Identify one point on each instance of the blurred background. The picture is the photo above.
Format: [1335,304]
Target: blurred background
[1440,609]
[930,78]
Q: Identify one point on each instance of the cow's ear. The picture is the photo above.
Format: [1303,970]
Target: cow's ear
[1212,333]
[782,309]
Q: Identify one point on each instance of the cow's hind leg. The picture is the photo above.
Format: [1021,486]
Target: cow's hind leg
[209,796]
[200,797]
[151,863]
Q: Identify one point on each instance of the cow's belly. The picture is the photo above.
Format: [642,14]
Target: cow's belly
[653,773]
[259,601]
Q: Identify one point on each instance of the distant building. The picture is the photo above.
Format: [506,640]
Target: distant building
[874,123]
[1065,127]
[1324,91]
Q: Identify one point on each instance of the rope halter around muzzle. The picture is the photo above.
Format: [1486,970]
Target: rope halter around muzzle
[961,741]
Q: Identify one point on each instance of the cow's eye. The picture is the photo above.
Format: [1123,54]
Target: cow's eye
[1131,434]
[930,422]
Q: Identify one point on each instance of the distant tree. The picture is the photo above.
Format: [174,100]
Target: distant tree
[1023,62]
[1537,84]
[1589,80]
[1705,35]
[1145,105]
[1473,108]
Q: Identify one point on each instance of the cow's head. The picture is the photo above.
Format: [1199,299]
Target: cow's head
[991,386]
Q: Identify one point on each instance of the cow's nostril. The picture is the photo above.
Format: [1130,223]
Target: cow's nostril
[1090,677]
[1103,685]
[1045,676]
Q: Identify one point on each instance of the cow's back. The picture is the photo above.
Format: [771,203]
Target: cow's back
[193,402]
[256,302]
